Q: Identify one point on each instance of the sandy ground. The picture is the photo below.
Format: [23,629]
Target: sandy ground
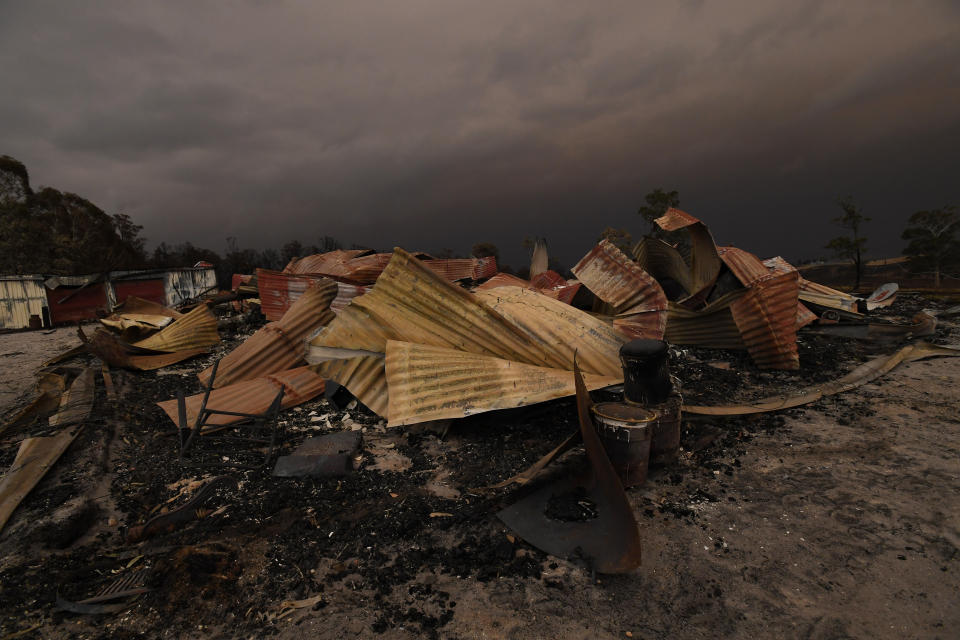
[841,520]
[22,352]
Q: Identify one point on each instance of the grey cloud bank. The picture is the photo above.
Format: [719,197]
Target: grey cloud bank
[434,125]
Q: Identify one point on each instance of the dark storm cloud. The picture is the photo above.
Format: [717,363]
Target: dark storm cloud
[439,124]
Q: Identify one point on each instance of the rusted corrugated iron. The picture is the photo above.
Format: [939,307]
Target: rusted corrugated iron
[637,299]
[704,261]
[410,303]
[346,293]
[278,291]
[712,326]
[663,261]
[251,396]
[767,318]
[120,354]
[323,263]
[747,267]
[279,345]
[556,286]
[195,330]
[463,268]
[434,383]
[777,265]
[363,376]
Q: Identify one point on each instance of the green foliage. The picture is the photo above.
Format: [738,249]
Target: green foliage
[53,232]
[932,245]
[853,245]
[657,203]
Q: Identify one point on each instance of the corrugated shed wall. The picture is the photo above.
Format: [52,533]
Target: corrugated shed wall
[19,299]
[187,284]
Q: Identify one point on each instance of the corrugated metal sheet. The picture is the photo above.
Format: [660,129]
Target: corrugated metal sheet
[195,330]
[463,268]
[116,353]
[363,267]
[346,293]
[34,458]
[767,318]
[559,330]
[81,305]
[324,263]
[637,299]
[279,345]
[410,303]
[804,316]
[186,284]
[278,291]
[777,265]
[251,396]
[363,376]
[433,383]
[21,297]
[747,267]
[504,280]
[152,290]
[562,290]
[547,280]
[712,326]
[704,261]
[662,261]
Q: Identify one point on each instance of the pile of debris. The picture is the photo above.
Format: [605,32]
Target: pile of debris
[420,342]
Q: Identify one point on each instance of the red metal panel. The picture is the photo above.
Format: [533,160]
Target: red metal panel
[280,290]
[151,290]
[82,305]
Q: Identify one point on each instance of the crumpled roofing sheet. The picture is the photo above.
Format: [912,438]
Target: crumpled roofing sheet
[36,456]
[364,267]
[251,396]
[662,260]
[195,330]
[278,291]
[637,299]
[712,326]
[363,376]
[117,353]
[562,289]
[747,267]
[705,263]
[279,345]
[767,318]
[434,383]
[329,262]
[411,303]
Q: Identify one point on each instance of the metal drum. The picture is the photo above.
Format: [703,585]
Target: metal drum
[626,431]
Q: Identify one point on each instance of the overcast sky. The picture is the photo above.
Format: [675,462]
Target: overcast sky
[441,124]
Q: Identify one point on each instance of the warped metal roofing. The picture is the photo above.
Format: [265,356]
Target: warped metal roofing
[637,299]
[195,330]
[435,383]
[279,345]
[251,396]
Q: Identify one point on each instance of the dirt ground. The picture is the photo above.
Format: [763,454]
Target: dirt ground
[837,520]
